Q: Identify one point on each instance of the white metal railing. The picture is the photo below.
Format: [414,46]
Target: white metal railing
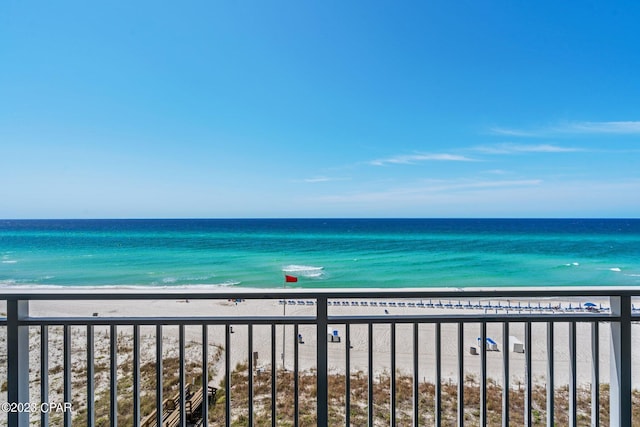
[328,307]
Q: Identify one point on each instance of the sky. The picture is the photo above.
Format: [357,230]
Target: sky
[225,109]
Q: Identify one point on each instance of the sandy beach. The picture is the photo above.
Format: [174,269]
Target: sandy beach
[336,350]
[262,345]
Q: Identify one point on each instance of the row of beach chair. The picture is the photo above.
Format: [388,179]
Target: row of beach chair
[475,305]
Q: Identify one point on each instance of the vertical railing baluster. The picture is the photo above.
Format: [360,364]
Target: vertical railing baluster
[159,376]
[460,374]
[91,389]
[113,354]
[296,380]
[347,375]
[227,375]
[620,361]
[250,372]
[17,363]
[506,386]
[205,375]
[370,402]
[321,360]
[528,376]
[136,375]
[483,374]
[67,372]
[181,376]
[573,409]
[550,375]
[274,371]
[438,380]
[416,377]
[392,378]
[44,372]
[595,374]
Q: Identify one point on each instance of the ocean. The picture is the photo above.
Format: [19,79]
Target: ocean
[321,253]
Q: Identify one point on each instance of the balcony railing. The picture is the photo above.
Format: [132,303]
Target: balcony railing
[444,335]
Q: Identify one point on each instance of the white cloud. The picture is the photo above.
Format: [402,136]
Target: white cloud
[499,198]
[509,148]
[415,158]
[497,172]
[627,127]
[317,179]
[610,128]
[511,132]
[429,189]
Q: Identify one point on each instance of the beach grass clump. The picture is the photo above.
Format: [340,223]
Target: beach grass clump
[358,414]
[306,393]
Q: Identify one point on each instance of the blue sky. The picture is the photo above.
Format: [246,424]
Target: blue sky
[319,109]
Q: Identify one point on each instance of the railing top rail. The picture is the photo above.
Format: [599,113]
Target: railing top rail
[340,319]
[201,292]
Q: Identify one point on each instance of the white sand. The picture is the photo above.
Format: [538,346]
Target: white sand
[359,338]
[307,352]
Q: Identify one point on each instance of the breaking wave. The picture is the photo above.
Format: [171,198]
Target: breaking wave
[304,270]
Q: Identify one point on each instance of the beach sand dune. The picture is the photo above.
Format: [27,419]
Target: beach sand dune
[381,345]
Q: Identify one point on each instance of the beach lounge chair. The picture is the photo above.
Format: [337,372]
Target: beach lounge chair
[490,344]
[493,346]
[516,345]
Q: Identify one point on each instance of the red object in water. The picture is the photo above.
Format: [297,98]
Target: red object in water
[288,278]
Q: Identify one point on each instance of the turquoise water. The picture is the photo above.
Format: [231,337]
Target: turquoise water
[321,252]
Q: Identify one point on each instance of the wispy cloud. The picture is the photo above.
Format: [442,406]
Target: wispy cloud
[496,198]
[490,184]
[431,188]
[628,127]
[497,172]
[406,159]
[317,179]
[512,132]
[585,127]
[509,148]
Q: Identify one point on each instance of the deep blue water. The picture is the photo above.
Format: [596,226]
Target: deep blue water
[321,252]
